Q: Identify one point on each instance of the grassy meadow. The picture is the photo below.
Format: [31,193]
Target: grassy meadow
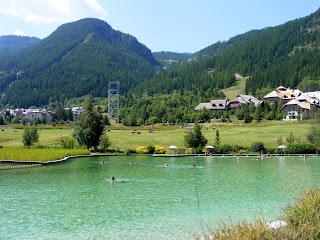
[124,138]
[238,88]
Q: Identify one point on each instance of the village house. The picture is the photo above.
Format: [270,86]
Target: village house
[282,94]
[221,105]
[242,99]
[215,105]
[76,112]
[304,105]
[32,114]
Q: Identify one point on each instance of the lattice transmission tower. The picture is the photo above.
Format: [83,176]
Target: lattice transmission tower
[113,101]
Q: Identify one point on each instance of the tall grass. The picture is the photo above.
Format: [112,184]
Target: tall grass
[303,218]
[38,154]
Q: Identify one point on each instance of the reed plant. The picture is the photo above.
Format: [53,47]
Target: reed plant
[303,219]
[38,154]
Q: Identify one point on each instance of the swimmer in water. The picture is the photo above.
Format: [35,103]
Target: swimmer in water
[166,165]
[113,178]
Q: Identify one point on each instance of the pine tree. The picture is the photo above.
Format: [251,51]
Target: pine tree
[195,139]
[217,138]
[89,127]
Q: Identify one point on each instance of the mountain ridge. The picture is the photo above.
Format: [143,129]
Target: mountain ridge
[78,58]
[12,44]
[282,55]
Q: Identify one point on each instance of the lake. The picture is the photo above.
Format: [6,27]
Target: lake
[77,199]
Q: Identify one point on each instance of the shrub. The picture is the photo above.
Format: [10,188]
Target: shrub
[257,147]
[140,121]
[237,148]
[68,142]
[159,150]
[130,151]
[142,150]
[153,120]
[248,118]
[302,149]
[150,149]
[30,136]
[243,151]
[188,151]
[303,216]
[41,146]
[271,150]
[104,143]
[291,138]
[222,149]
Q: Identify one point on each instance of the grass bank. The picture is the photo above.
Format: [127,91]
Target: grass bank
[302,219]
[38,154]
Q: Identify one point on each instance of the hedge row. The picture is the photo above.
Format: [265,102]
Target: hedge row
[258,147]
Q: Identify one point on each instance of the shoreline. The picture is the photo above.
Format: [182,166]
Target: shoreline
[24,164]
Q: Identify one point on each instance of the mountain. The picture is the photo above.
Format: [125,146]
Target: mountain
[285,55]
[84,56]
[77,59]
[12,44]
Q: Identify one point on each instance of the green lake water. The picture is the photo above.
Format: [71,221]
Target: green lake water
[77,200]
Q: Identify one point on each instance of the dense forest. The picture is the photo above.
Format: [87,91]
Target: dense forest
[82,57]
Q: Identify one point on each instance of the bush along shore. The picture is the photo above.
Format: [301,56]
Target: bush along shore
[298,221]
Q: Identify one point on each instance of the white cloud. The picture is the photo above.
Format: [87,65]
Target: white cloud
[52,11]
[19,32]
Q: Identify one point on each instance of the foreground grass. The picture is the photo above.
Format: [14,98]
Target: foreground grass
[302,219]
[38,154]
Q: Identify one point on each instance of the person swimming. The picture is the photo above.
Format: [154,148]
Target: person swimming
[113,178]
[166,165]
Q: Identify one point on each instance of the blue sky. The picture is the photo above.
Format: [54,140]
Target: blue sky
[165,25]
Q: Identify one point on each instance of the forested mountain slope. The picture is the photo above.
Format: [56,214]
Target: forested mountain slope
[12,44]
[79,58]
[285,55]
